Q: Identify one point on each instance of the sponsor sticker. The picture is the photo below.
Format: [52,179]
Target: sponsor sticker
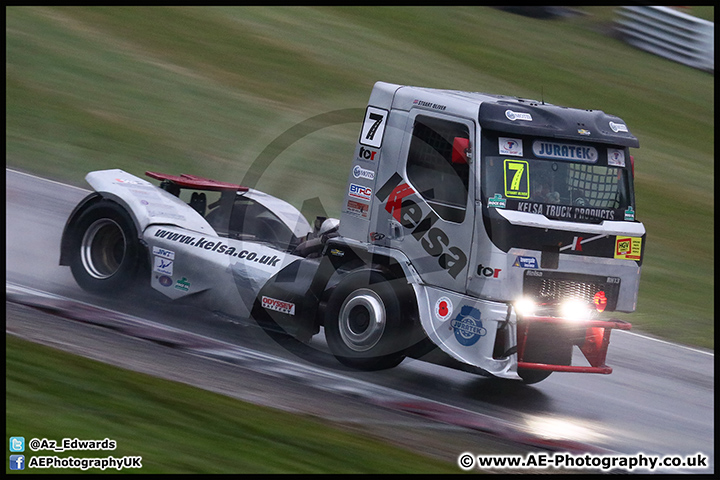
[565,151]
[488,272]
[366,154]
[165,211]
[161,252]
[373,127]
[376,236]
[359,209]
[628,248]
[359,172]
[510,146]
[525,262]
[467,326]
[214,245]
[618,127]
[165,281]
[358,191]
[183,284]
[512,116]
[630,214]
[616,157]
[517,183]
[128,182]
[163,265]
[145,193]
[278,305]
[497,201]
[443,308]
[434,106]
[566,211]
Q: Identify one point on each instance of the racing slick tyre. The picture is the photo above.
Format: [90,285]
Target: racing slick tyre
[105,254]
[532,376]
[364,325]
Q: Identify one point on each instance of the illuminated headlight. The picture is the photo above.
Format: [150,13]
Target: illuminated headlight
[575,310]
[525,307]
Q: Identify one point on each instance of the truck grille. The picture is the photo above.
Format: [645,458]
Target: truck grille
[553,287]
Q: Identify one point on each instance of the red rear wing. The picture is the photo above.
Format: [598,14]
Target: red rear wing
[197,183]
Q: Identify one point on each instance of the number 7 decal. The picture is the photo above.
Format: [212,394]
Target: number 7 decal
[373,127]
[517,175]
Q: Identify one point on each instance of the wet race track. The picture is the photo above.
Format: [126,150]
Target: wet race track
[658,401]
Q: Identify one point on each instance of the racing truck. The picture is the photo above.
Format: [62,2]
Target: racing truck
[482,232]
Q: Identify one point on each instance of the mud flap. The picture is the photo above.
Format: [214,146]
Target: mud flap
[288,302]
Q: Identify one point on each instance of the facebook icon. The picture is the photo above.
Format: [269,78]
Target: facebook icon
[17,462]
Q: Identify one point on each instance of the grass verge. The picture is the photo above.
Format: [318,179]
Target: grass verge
[177,428]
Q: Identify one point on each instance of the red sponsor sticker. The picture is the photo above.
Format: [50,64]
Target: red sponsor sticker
[443,308]
[357,208]
[278,305]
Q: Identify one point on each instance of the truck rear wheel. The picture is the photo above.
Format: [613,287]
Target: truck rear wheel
[364,323]
[104,249]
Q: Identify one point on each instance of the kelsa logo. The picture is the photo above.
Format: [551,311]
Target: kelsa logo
[358,191]
[406,211]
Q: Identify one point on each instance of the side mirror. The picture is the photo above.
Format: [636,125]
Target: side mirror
[461,151]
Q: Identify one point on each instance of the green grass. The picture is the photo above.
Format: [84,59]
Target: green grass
[204,90]
[176,428]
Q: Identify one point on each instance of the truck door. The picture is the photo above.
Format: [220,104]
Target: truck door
[428,202]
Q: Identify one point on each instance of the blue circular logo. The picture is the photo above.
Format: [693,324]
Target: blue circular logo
[467,326]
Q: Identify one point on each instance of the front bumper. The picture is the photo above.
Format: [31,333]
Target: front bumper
[592,337]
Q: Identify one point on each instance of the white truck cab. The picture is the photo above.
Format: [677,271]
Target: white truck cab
[507,211]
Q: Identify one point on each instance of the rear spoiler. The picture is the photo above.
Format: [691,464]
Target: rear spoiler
[197,183]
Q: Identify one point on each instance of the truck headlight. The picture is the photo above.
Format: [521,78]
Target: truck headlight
[575,310]
[525,307]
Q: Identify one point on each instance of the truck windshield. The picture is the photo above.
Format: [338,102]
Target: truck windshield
[560,190]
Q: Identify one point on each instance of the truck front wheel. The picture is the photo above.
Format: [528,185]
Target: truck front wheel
[364,323]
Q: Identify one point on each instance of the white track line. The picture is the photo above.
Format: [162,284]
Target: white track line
[45,179]
[712,354]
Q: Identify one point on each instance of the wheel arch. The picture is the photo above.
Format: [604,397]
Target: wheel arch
[343,258]
[87,202]
[351,257]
